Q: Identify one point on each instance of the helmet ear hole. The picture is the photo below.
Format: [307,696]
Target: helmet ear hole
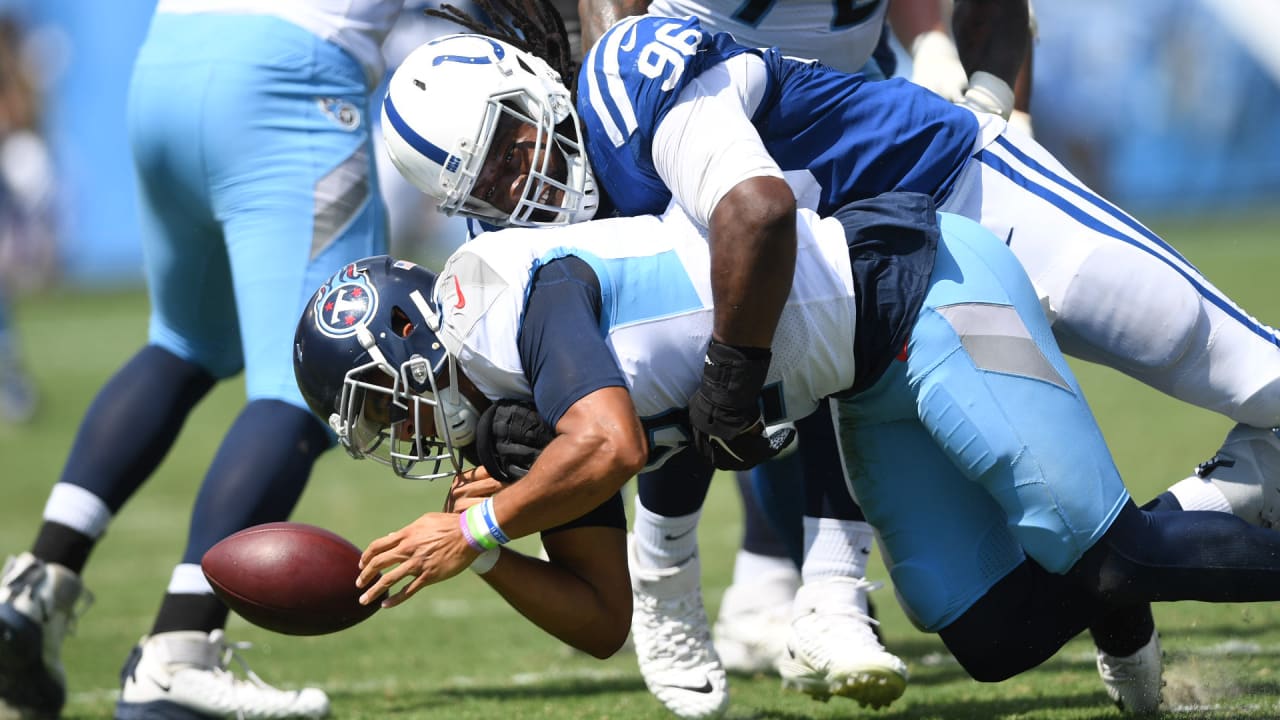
[401,323]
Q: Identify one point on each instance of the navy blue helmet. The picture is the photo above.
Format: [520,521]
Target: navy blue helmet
[369,363]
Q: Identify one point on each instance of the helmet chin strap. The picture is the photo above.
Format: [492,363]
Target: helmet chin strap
[454,411]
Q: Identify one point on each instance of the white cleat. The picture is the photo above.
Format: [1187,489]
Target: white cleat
[1247,471]
[833,649]
[754,622]
[673,641]
[1134,682]
[39,603]
[184,675]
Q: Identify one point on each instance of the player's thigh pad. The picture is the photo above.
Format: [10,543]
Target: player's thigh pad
[289,165]
[1000,401]
[945,541]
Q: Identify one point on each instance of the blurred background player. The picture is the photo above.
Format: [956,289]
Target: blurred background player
[249,127]
[27,238]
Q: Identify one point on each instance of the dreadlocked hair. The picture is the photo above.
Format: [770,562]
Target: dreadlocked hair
[534,26]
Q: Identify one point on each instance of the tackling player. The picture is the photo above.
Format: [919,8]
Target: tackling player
[828,538]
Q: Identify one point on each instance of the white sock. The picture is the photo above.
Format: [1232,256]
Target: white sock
[836,548]
[663,542]
[78,509]
[1196,493]
[749,567]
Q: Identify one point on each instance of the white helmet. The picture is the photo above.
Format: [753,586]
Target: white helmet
[438,119]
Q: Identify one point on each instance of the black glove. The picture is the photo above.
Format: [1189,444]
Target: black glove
[728,429]
[510,435]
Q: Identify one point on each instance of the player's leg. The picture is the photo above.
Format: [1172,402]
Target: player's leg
[17,392]
[289,167]
[130,425]
[1055,481]
[669,622]
[833,648]
[1104,277]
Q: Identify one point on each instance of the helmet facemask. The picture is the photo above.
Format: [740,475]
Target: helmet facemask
[557,189]
[385,413]
[452,97]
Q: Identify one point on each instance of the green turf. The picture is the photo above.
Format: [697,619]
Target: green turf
[457,651]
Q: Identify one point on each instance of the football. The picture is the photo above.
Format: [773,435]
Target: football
[289,577]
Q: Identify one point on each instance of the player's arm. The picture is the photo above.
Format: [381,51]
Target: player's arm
[600,15]
[582,595]
[935,62]
[711,157]
[599,442]
[994,39]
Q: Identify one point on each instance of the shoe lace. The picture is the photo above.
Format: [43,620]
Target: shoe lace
[25,583]
[1119,669]
[81,606]
[229,651]
[849,618]
[679,629]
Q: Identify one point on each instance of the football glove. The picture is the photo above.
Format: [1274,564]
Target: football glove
[509,438]
[728,428]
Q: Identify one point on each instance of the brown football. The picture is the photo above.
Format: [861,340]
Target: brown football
[289,577]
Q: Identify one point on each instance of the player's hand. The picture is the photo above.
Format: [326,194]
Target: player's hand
[470,487]
[510,436]
[935,64]
[426,551]
[728,429]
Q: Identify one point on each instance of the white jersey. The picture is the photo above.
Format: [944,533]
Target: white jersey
[654,276]
[842,33]
[357,26]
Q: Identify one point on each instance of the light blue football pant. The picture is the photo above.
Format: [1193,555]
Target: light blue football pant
[979,449]
[252,147]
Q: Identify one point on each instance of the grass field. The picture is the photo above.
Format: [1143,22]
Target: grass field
[456,650]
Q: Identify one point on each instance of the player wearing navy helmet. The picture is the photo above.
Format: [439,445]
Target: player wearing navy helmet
[1010,533]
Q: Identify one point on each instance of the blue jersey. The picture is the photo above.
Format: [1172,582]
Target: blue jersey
[857,137]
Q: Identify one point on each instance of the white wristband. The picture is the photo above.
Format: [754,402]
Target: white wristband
[485,561]
[988,93]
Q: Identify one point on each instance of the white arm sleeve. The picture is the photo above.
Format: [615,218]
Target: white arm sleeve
[706,144]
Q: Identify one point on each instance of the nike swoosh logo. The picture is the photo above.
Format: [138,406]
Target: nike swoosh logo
[705,687]
[629,41]
[677,537]
[1009,240]
[462,300]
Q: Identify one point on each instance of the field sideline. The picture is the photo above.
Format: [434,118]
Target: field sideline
[457,651]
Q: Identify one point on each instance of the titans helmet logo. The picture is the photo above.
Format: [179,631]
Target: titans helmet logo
[345,303]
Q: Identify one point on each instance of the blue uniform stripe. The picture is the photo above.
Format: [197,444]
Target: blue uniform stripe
[602,100]
[417,142]
[1071,209]
[1090,198]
